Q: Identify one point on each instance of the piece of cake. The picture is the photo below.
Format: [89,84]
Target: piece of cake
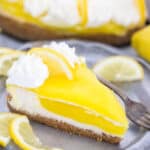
[107,21]
[53,85]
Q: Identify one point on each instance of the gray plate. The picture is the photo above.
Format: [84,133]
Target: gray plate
[135,139]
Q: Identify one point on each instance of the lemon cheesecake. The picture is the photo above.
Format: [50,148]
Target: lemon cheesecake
[107,21]
[53,85]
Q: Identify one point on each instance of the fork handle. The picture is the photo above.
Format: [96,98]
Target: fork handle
[115,89]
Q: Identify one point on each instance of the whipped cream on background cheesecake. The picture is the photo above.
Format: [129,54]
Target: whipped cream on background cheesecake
[81,102]
[54,12]
[123,12]
[99,12]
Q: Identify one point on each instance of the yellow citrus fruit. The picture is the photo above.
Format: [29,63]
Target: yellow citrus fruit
[57,63]
[6,60]
[5,120]
[23,136]
[4,50]
[119,69]
[141,43]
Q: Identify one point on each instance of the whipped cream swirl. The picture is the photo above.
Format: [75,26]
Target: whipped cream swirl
[28,71]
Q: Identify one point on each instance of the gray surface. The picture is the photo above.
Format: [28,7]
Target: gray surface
[136,138]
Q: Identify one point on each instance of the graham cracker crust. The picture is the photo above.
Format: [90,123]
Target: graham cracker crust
[65,126]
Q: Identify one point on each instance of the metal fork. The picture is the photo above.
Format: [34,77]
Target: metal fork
[136,112]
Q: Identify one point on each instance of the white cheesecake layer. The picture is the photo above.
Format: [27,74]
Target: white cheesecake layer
[28,102]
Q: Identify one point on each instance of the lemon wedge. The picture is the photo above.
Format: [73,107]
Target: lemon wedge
[119,69]
[57,63]
[4,50]
[6,60]
[5,120]
[23,135]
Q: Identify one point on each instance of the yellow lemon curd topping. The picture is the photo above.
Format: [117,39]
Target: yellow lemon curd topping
[16,9]
[82,98]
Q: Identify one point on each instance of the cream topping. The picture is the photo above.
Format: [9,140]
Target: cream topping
[123,12]
[60,13]
[67,52]
[28,71]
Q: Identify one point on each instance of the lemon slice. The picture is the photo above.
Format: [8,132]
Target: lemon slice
[57,63]
[5,120]
[4,50]
[119,69]
[6,60]
[23,135]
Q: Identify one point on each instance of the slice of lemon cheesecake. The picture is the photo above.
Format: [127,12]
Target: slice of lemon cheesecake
[53,85]
[107,21]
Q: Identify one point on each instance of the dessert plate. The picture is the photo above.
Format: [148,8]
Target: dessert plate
[136,138]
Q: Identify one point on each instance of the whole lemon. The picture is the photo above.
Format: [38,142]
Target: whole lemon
[141,43]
